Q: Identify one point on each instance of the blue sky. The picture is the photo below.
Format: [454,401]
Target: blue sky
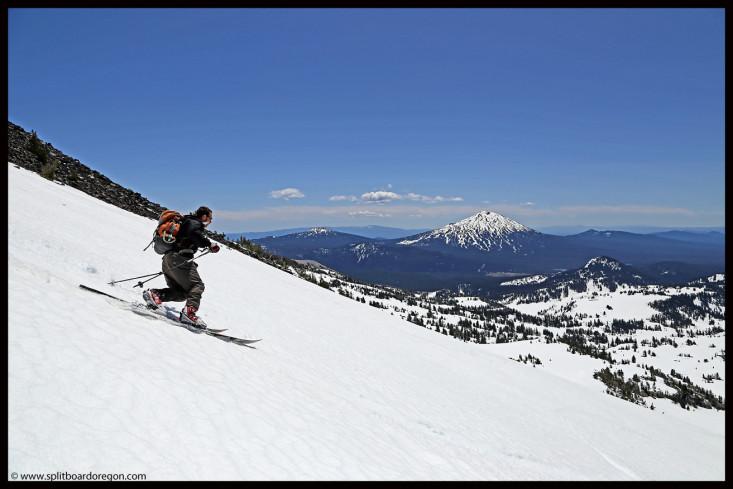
[407,118]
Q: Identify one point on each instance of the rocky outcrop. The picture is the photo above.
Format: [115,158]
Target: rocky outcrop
[72,172]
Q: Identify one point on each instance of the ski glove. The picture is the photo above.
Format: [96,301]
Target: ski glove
[214,247]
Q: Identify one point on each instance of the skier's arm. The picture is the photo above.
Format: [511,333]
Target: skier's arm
[197,237]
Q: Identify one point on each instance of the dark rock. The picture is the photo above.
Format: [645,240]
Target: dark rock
[72,172]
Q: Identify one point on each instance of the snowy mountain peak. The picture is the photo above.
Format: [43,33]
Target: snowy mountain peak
[487,222]
[603,262]
[484,231]
[610,271]
[319,231]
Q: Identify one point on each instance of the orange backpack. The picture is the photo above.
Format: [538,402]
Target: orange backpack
[165,237]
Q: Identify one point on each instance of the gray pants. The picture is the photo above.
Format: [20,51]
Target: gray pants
[184,282]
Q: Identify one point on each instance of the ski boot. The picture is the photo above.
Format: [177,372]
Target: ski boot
[152,298]
[188,316]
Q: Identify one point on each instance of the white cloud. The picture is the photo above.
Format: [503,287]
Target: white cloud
[432,200]
[340,198]
[286,193]
[380,197]
[368,214]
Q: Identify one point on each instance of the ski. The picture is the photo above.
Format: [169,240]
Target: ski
[144,310]
[163,312]
[100,293]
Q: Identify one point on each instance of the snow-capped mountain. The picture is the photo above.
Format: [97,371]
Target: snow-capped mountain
[482,247]
[485,231]
[605,272]
[601,272]
[475,247]
[319,232]
[495,239]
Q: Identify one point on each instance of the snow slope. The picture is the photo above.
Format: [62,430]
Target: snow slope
[337,390]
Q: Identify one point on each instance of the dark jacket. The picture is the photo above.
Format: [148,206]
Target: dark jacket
[193,234]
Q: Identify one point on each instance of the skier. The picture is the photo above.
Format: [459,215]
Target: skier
[184,282]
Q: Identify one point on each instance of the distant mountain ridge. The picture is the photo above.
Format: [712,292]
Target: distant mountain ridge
[486,246]
[568,230]
[711,237]
[296,244]
[374,232]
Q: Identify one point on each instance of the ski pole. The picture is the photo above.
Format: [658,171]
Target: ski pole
[140,284]
[153,275]
[133,278]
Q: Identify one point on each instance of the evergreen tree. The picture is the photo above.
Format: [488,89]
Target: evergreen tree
[38,148]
